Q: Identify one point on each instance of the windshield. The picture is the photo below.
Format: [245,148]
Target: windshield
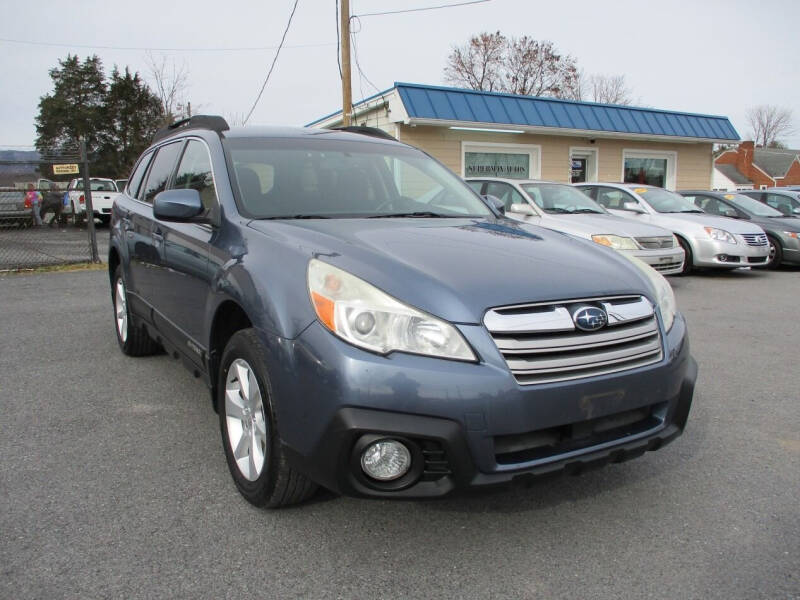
[556,198]
[754,207]
[664,201]
[297,178]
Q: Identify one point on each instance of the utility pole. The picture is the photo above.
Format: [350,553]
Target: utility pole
[347,94]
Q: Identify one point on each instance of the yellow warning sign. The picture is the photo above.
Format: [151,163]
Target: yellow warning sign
[65,169]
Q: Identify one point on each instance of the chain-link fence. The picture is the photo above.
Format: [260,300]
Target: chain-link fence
[42,222]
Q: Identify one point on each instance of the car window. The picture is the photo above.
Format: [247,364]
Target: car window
[97,185]
[780,202]
[664,201]
[504,192]
[712,205]
[589,191]
[475,185]
[613,198]
[194,172]
[163,165]
[138,174]
[561,198]
[294,177]
[754,207]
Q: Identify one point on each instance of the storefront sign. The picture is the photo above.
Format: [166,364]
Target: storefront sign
[496,164]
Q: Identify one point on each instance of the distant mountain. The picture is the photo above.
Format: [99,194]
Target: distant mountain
[26,155]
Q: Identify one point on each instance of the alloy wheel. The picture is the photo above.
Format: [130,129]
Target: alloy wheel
[244,419]
[121,306]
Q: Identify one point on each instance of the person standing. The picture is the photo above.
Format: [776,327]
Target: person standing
[34,199]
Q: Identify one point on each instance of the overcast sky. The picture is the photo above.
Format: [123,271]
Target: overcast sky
[707,57]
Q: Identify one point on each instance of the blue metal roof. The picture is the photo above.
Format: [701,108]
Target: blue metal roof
[455,104]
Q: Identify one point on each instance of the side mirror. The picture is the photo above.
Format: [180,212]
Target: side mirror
[177,205]
[495,203]
[523,209]
[633,207]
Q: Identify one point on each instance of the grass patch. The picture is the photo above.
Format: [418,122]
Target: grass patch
[83,266]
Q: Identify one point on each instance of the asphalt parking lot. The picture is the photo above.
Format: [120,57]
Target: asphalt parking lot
[113,483]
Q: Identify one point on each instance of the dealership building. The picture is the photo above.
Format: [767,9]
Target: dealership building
[485,134]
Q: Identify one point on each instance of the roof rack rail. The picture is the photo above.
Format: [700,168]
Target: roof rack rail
[364,130]
[212,122]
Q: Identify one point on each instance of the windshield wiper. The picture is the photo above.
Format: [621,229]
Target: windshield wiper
[557,210]
[416,214]
[587,211]
[296,217]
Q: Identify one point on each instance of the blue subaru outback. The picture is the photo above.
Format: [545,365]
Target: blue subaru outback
[367,323]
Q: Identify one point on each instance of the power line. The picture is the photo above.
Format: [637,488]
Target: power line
[408,10]
[145,48]
[272,66]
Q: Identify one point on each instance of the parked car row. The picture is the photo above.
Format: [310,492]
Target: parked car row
[672,232]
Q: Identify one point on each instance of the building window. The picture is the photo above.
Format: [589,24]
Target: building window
[649,168]
[511,161]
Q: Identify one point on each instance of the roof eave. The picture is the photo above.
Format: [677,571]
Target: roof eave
[590,133]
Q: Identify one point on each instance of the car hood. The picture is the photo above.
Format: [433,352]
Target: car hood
[458,268]
[692,223]
[781,224]
[586,225]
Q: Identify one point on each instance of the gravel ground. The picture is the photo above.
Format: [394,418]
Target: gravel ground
[113,483]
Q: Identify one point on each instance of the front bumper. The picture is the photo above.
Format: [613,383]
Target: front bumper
[666,261]
[467,419]
[713,253]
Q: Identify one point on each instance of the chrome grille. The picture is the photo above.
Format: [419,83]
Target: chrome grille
[541,344]
[755,239]
[656,243]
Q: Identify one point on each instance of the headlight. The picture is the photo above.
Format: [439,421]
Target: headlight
[793,234]
[365,316]
[616,242]
[665,298]
[720,235]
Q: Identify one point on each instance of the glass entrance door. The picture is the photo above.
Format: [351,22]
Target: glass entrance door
[578,170]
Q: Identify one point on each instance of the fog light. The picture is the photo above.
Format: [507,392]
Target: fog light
[386,460]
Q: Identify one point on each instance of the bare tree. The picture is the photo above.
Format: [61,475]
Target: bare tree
[478,64]
[608,89]
[535,68]
[768,123]
[170,81]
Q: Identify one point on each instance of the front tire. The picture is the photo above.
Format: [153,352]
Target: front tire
[249,428]
[775,253]
[132,340]
[688,258]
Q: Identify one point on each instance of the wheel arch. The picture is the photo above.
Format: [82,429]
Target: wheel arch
[229,317]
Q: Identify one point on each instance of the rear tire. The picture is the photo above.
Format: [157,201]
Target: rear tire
[132,340]
[249,428]
[688,258]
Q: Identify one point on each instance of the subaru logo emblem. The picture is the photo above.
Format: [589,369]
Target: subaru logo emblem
[589,318]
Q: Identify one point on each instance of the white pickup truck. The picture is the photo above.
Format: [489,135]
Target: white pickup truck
[104,192]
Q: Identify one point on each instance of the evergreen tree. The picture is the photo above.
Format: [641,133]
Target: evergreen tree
[131,115]
[74,108]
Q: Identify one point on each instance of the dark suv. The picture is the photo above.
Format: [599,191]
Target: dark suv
[366,322]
